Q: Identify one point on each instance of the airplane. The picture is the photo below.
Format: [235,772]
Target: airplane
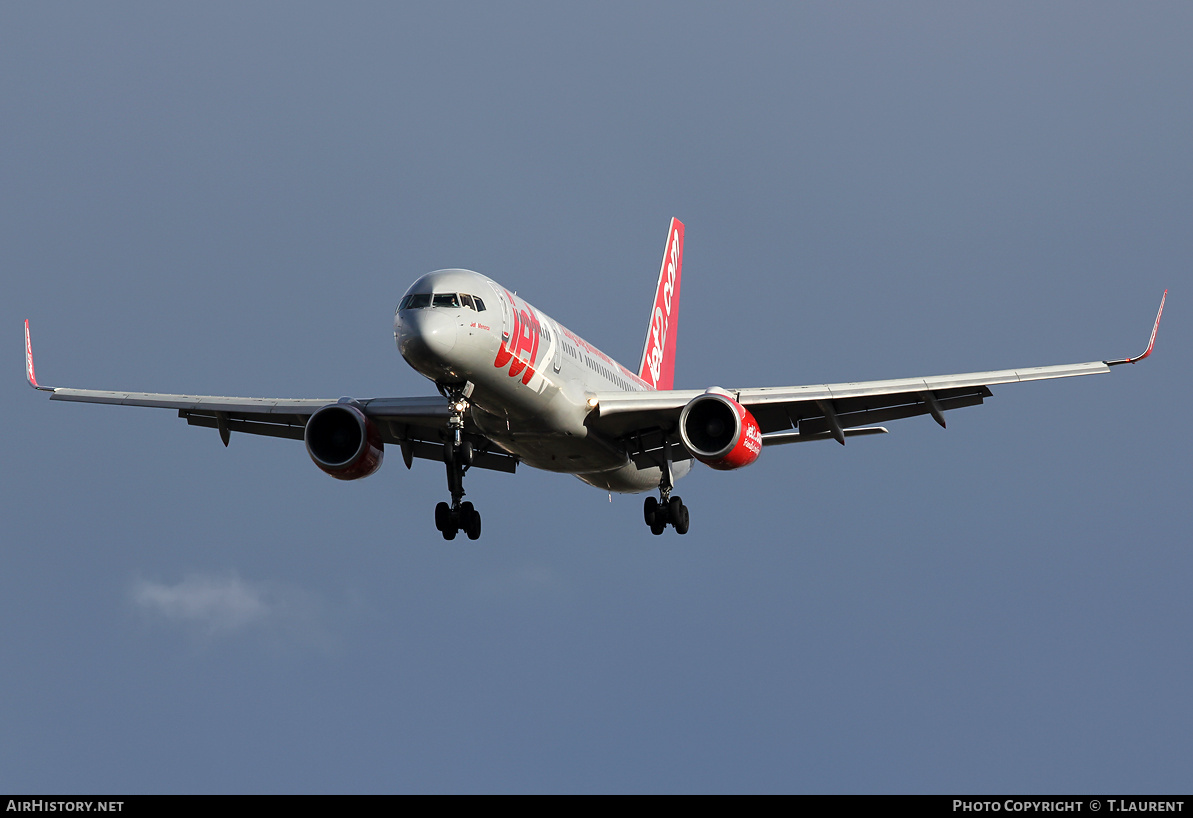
[517,387]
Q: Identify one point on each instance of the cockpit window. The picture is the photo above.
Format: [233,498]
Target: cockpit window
[418,301]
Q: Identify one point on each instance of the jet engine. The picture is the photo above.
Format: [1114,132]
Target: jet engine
[344,442]
[719,431]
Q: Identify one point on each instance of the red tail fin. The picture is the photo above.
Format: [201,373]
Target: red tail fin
[658,353]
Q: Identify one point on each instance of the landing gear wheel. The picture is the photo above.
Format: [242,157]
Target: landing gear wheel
[669,511]
[464,455]
[470,521]
[673,508]
[443,516]
[449,532]
[680,520]
[649,508]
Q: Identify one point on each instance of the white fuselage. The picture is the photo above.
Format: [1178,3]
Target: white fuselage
[531,378]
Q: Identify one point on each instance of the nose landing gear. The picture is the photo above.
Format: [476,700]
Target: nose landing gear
[457,456]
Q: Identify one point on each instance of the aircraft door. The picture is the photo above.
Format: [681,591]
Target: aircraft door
[557,339]
[506,322]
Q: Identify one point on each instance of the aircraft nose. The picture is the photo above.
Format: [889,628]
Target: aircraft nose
[425,336]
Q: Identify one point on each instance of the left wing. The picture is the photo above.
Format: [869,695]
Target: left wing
[646,422]
[416,424]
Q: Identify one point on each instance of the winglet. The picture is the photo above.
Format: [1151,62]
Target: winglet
[658,353]
[1151,342]
[29,374]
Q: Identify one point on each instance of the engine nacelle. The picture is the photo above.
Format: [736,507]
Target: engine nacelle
[719,431]
[344,442]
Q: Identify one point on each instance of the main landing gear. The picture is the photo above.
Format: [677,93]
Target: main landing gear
[462,517]
[457,456]
[665,511]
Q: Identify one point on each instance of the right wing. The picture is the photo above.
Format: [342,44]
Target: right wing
[418,425]
[791,414]
[647,423]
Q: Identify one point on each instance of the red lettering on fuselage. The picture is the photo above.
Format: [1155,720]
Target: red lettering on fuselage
[523,349]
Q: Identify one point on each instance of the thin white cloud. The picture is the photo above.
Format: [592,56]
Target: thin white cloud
[219,604]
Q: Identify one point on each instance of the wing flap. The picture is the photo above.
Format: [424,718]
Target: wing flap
[430,408]
[910,406]
[250,427]
[781,438]
[488,458]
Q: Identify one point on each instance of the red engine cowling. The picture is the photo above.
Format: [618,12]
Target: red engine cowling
[344,442]
[719,431]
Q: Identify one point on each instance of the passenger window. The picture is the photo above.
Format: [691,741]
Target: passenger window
[467,299]
[446,300]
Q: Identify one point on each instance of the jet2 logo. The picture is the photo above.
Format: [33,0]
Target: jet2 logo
[523,348]
[29,356]
[661,320]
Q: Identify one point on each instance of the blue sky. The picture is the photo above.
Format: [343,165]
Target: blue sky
[230,199]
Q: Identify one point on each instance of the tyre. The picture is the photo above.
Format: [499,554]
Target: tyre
[443,516]
[674,509]
[681,522]
[648,510]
